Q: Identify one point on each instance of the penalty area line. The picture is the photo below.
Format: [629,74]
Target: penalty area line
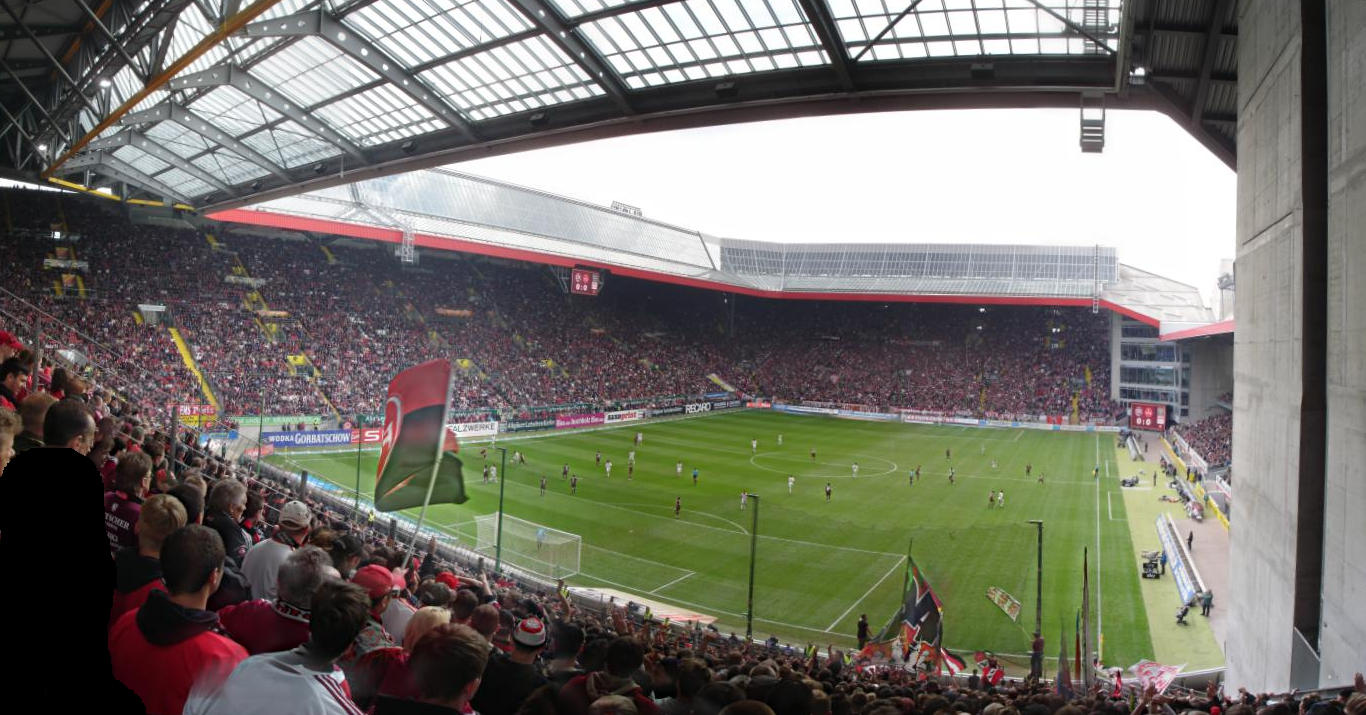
[866,594]
[680,578]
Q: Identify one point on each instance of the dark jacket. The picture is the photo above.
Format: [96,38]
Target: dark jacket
[136,577]
[235,540]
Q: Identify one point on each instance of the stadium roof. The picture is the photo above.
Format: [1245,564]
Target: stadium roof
[448,210]
[222,103]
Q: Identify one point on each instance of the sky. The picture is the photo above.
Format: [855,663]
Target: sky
[977,176]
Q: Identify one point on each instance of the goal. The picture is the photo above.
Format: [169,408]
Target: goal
[535,548]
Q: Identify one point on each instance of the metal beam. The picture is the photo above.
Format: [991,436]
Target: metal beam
[900,16]
[210,40]
[1179,76]
[139,141]
[566,36]
[121,170]
[317,23]
[113,41]
[39,105]
[244,82]
[172,112]
[1072,25]
[1167,28]
[828,33]
[1212,39]
[615,10]
[43,49]
[14,32]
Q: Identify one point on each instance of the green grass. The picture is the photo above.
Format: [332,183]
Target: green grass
[820,565]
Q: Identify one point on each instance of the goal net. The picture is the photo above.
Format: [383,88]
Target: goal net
[535,548]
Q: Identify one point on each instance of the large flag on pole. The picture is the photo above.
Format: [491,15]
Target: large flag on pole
[923,621]
[418,463]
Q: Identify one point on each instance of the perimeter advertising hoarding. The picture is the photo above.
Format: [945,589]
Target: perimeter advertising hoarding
[662,411]
[582,420]
[725,404]
[624,416]
[697,407]
[524,425]
[309,438]
[472,429]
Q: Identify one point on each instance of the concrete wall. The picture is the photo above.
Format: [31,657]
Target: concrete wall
[1343,626]
[1298,556]
[1211,374]
[1266,360]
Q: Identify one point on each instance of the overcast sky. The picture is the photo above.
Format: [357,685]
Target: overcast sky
[980,176]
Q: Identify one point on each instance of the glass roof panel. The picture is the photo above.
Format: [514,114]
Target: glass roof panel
[311,71]
[693,39]
[378,115]
[575,8]
[229,166]
[419,31]
[229,109]
[290,145]
[140,160]
[184,182]
[970,28]
[287,7]
[513,78]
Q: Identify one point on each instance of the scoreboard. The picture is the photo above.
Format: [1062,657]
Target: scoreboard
[585,281]
[1147,416]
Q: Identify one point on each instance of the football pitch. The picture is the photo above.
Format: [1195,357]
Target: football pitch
[820,564]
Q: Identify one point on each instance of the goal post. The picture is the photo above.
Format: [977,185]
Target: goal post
[535,548]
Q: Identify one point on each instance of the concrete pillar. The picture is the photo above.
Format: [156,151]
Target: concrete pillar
[1298,557]
[1343,626]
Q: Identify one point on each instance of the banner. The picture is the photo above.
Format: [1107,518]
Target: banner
[717,395]
[580,420]
[697,407]
[660,412]
[473,429]
[725,405]
[624,416]
[418,457]
[524,425]
[309,438]
[66,263]
[367,435]
[1005,601]
[1155,674]
[761,404]
[806,410]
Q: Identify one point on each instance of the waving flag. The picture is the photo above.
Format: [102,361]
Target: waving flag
[923,622]
[417,448]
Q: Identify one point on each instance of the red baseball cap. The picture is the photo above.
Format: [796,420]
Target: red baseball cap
[375,579]
[7,339]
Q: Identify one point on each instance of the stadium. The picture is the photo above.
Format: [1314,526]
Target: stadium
[373,432]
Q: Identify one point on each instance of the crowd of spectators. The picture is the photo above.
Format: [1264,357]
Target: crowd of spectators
[1211,438]
[294,329]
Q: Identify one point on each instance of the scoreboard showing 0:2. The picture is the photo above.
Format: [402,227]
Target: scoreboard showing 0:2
[585,281]
[1147,416]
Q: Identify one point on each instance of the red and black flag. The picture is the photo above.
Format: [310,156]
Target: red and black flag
[923,622]
[417,447]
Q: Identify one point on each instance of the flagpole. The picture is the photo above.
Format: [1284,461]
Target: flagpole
[498,541]
[436,464]
[753,548]
[1036,651]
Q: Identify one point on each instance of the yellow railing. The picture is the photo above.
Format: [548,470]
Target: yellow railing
[184,349]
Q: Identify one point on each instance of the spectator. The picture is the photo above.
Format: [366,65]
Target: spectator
[13,375]
[9,345]
[446,666]
[254,519]
[304,679]
[263,560]
[138,571]
[161,649]
[9,429]
[384,671]
[509,679]
[565,644]
[484,621]
[624,658]
[33,410]
[281,622]
[132,478]
[378,582]
[68,423]
[463,605]
[193,501]
[226,504]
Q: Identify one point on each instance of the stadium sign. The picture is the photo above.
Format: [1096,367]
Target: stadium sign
[582,420]
[524,425]
[763,404]
[660,412]
[807,410]
[717,395]
[312,438]
[368,435]
[697,407]
[624,416]
[473,429]
[725,405]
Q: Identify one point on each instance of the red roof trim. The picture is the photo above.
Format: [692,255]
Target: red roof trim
[1220,328]
[387,235]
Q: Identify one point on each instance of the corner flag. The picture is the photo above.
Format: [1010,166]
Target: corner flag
[411,470]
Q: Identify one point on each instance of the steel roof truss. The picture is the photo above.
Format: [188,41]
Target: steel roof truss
[139,141]
[121,170]
[172,112]
[254,87]
[318,23]
[566,36]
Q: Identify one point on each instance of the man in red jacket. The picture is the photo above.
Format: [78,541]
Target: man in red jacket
[160,650]
[267,626]
[137,572]
[624,657]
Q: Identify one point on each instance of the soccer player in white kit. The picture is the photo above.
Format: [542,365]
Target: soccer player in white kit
[631,457]
[856,470]
[493,474]
[744,498]
[754,446]
[1001,499]
[608,466]
[678,469]
[790,481]
[640,437]
[780,439]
